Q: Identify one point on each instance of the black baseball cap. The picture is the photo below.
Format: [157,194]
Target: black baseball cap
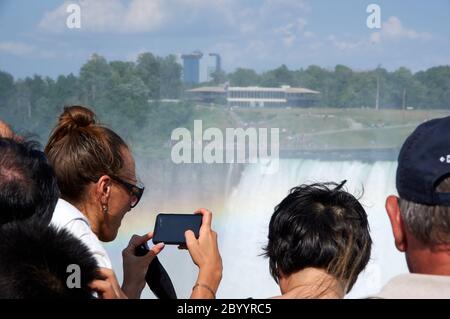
[423,162]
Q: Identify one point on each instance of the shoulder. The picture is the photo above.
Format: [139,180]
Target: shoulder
[65,213]
[417,286]
[66,216]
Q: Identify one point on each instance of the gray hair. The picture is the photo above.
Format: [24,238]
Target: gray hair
[429,224]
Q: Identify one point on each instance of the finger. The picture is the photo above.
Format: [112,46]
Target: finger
[207,216]
[106,273]
[137,240]
[191,241]
[133,241]
[155,250]
[111,278]
[104,289]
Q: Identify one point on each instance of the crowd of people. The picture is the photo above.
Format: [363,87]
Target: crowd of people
[57,206]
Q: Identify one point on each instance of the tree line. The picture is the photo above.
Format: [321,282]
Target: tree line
[344,87]
[127,95]
[121,93]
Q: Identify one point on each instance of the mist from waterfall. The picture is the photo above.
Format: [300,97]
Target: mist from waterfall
[242,224]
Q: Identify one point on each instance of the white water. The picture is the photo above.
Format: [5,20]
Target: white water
[244,225]
[243,228]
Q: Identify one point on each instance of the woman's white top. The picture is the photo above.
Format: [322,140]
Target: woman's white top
[70,218]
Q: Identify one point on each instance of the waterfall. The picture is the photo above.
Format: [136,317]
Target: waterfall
[243,226]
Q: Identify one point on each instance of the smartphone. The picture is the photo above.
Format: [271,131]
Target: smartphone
[170,228]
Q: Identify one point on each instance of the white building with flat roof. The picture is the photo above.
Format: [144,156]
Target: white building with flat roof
[255,96]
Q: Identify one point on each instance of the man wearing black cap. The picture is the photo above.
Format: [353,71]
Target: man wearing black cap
[420,216]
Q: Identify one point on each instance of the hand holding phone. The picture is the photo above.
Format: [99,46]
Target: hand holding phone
[135,267]
[205,254]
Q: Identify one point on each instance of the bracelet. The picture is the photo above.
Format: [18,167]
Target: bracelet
[206,287]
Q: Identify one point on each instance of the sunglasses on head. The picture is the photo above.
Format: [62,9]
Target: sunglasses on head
[135,190]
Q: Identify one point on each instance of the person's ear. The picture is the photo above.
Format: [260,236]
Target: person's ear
[395,217]
[103,188]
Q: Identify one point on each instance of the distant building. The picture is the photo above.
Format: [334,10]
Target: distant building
[255,96]
[218,66]
[191,67]
[207,94]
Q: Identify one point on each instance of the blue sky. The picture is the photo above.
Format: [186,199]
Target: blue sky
[262,35]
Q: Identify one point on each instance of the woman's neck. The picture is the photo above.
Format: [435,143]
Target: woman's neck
[89,211]
[311,283]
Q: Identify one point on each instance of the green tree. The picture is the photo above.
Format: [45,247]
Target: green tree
[244,77]
[437,83]
[278,77]
[148,69]
[127,98]
[319,79]
[170,78]
[6,88]
[95,78]
[342,94]
[219,77]
[66,90]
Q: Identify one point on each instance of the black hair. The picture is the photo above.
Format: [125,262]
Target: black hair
[35,259]
[321,226]
[28,185]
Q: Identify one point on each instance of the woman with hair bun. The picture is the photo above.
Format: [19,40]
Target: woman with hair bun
[97,179]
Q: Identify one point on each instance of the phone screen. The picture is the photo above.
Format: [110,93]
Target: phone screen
[170,228]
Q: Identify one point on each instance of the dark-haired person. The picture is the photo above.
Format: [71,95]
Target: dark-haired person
[319,242]
[97,179]
[40,262]
[28,187]
[420,215]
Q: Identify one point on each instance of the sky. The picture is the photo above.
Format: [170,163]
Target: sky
[262,35]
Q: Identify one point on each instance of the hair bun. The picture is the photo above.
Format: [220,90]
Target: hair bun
[77,116]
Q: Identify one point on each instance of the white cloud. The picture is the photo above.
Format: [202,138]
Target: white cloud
[345,45]
[132,16]
[309,34]
[23,49]
[109,16]
[262,29]
[292,31]
[118,16]
[16,48]
[289,6]
[226,9]
[144,15]
[393,29]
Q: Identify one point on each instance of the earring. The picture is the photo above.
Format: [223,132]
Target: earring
[105,209]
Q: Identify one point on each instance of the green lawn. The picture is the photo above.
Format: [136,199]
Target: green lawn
[307,129]
[326,128]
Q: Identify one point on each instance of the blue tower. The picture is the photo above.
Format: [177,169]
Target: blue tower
[191,67]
